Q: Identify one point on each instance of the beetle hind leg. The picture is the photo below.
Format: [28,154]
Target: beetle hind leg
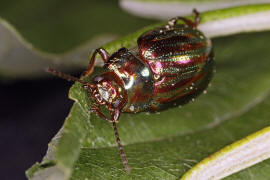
[197,17]
[193,24]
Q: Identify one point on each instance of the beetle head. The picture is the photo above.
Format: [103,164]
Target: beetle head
[109,91]
[106,89]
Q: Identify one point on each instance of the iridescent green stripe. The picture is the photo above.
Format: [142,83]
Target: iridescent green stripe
[177,55]
[205,68]
[181,91]
[184,75]
[174,70]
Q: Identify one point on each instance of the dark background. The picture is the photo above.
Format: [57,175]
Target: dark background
[31,114]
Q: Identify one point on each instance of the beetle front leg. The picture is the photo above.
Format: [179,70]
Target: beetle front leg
[115,114]
[104,55]
[96,109]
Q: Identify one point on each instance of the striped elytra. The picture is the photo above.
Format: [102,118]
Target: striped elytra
[181,61]
[171,65]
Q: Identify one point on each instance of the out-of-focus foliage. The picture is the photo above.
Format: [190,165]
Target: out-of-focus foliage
[35,34]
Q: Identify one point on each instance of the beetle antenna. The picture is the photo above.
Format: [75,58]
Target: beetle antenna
[66,76]
[120,147]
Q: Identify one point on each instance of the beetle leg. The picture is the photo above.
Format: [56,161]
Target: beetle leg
[172,22]
[192,24]
[114,113]
[197,17]
[96,109]
[104,55]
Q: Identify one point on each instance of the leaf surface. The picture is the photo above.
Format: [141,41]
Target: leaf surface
[166,145]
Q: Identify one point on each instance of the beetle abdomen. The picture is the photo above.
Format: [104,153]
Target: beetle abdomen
[181,61]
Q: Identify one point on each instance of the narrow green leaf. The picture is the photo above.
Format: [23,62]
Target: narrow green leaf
[259,172]
[233,158]
[214,24]
[165,9]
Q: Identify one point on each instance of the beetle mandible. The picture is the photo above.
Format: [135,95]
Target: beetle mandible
[172,65]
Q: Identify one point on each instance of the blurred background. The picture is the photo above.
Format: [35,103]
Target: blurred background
[35,34]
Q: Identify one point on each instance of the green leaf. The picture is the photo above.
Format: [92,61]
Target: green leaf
[37,34]
[165,9]
[165,145]
[237,156]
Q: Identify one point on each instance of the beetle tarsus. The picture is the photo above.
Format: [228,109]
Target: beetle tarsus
[193,24]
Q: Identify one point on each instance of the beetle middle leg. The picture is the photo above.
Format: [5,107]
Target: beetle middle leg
[190,23]
[104,55]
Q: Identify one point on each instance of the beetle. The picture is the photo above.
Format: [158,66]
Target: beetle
[171,65]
